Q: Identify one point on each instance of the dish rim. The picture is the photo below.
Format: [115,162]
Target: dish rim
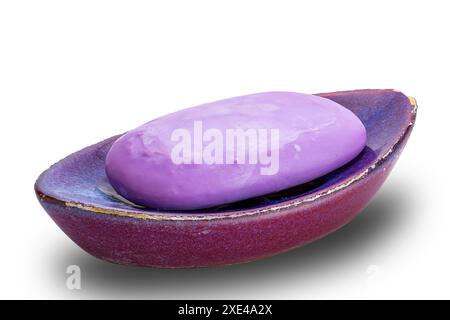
[289,204]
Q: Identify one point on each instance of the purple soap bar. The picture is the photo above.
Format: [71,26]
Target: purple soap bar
[233,149]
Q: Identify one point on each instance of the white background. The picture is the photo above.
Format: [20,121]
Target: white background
[75,72]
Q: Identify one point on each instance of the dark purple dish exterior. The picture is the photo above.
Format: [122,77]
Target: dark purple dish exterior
[71,192]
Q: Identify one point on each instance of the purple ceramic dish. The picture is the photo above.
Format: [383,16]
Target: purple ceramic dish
[76,195]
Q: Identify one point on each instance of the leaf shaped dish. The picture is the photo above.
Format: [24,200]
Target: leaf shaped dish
[77,196]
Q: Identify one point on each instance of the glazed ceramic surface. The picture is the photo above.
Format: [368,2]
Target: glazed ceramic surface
[77,196]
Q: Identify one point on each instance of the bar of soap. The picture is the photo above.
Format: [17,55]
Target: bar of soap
[233,149]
